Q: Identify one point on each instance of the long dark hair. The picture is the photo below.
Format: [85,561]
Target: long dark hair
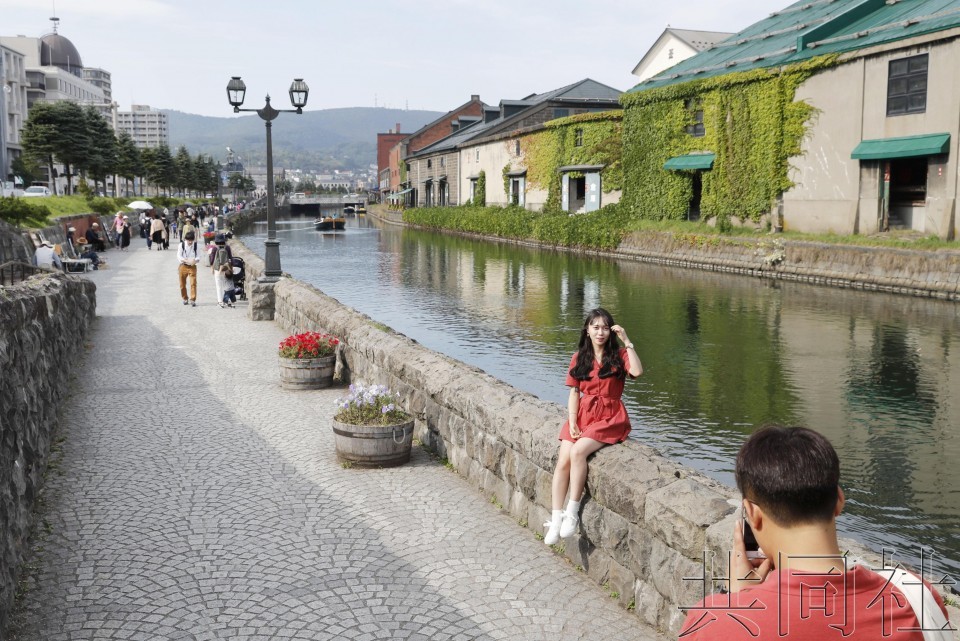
[611,364]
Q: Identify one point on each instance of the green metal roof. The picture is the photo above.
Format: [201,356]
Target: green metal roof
[812,28]
[906,147]
[690,161]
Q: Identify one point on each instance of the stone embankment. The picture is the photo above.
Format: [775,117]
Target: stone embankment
[934,274]
[646,521]
[43,321]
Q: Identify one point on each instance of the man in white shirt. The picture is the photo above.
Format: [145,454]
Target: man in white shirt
[46,257]
[188,257]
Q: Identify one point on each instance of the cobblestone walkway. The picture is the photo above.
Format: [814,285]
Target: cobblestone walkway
[192,498]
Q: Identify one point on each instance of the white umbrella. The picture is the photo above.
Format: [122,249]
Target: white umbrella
[140,204]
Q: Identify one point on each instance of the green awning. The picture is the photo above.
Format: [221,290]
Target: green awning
[690,161]
[907,147]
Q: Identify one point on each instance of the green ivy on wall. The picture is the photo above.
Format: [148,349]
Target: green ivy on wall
[751,124]
[480,198]
[506,179]
[403,171]
[555,146]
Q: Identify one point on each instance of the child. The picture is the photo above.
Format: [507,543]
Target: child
[596,415]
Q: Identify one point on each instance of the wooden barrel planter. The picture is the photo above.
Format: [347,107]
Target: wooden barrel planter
[373,445]
[307,373]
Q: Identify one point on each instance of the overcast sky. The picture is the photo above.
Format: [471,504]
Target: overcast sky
[421,54]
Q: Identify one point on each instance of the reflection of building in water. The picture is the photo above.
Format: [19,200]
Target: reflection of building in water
[880,383]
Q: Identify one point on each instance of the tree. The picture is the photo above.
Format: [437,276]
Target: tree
[58,130]
[73,146]
[163,168]
[148,159]
[183,176]
[39,136]
[103,155]
[129,161]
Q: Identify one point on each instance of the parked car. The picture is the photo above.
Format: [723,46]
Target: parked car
[36,191]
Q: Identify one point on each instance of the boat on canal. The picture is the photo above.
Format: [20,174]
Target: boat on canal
[329,223]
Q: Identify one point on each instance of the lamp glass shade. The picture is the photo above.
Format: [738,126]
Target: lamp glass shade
[298,93]
[236,91]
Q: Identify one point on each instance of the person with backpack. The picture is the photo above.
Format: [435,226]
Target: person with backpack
[188,258]
[222,266]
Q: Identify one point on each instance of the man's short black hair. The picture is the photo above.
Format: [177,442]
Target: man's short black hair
[793,473]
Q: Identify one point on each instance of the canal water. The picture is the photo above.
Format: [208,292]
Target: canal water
[722,354]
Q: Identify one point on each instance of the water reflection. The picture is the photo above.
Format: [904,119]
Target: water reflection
[877,374]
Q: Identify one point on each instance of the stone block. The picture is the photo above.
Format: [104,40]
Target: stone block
[526,478]
[678,579]
[543,488]
[621,476]
[518,505]
[649,605]
[637,556]
[719,536]
[262,299]
[681,512]
[619,582]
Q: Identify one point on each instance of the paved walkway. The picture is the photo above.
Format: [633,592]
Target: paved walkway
[193,498]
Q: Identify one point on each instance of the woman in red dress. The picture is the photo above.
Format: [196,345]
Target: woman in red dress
[596,415]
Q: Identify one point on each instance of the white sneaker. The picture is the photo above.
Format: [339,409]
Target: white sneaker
[569,525]
[553,533]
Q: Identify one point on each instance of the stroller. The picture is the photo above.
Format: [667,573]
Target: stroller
[239,277]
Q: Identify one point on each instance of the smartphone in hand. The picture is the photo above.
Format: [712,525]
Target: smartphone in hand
[750,542]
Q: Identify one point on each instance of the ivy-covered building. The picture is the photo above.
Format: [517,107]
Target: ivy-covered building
[828,116]
[571,164]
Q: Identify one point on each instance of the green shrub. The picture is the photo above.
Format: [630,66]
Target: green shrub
[104,206]
[18,211]
[602,229]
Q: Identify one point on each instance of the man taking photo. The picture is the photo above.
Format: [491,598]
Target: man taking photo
[799,585]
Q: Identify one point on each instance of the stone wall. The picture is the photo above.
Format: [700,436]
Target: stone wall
[933,274]
[646,521]
[42,324]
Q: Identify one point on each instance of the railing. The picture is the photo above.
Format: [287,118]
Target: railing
[15,272]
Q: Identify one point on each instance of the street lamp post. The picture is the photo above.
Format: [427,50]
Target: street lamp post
[298,98]
[219,204]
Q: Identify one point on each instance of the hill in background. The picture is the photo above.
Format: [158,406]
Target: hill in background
[326,139]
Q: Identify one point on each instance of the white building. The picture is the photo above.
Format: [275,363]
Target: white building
[13,106]
[148,127]
[55,70]
[44,69]
[675,45]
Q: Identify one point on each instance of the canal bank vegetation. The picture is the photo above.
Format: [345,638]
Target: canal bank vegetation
[602,229]
[606,229]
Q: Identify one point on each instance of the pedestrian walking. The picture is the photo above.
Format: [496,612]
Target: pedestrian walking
[188,258]
[596,415]
[222,267]
[116,228]
[166,231]
[124,236]
[156,230]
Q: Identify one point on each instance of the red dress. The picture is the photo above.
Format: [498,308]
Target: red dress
[601,415]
